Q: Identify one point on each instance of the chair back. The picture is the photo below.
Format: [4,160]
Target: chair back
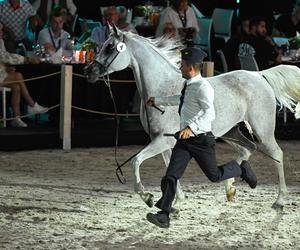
[222,21]
[74,21]
[223,61]
[248,63]
[197,12]
[203,39]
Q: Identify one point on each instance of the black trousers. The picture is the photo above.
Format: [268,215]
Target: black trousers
[202,149]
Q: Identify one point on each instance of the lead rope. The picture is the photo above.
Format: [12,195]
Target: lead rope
[119,172]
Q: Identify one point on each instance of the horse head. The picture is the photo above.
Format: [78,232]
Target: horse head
[113,56]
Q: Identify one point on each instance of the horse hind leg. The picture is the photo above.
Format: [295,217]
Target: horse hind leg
[271,148]
[243,146]
[264,131]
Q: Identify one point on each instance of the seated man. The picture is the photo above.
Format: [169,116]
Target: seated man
[14,15]
[112,16]
[19,89]
[287,25]
[54,37]
[231,47]
[45,7]
[265,50]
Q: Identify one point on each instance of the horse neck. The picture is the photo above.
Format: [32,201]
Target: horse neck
[154,75]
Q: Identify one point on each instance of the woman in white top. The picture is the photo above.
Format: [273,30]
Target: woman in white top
[19,89]
[183,18]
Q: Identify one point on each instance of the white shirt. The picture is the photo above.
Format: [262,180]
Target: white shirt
[62,41]
[71,7]
[198,110]
[169,15]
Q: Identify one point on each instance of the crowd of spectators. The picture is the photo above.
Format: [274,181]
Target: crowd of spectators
[50,23]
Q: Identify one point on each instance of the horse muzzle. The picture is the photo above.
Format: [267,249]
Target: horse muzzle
[93,71]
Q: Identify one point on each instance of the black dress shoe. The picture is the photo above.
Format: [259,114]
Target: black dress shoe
[248,175]
[160,219]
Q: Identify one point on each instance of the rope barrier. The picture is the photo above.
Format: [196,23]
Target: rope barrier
[116,81]
[34,78]
[104,113]
[27,115]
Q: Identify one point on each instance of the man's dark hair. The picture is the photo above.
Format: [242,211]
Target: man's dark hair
[175,3]
[57,12]
[255,21]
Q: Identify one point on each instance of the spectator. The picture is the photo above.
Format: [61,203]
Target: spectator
[183,18]
[287,25]
[112,16]
[231,48]
[265,51]
[45,7]
[14,15]
[54,37]
[19,89]
[169,30]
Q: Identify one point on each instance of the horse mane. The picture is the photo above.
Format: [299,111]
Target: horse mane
[165,46]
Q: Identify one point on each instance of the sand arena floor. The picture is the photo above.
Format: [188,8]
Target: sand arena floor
[52,199]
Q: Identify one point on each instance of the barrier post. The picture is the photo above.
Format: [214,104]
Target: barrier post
[65,106]
[208,69]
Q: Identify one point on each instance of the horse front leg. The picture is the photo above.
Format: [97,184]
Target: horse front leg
[156,146]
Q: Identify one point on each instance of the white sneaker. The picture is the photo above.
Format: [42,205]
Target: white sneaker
[18,123]
[36,109]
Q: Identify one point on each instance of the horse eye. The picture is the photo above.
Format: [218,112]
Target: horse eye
[109,48]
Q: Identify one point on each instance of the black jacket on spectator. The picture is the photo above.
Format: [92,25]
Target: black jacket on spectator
[285,25]
[265,53]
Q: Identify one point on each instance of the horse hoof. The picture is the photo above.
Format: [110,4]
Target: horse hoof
[277,206]
[231,194]
[149,200]
[174,212]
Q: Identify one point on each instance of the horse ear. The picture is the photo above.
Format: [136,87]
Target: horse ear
[110,28]
[116,30]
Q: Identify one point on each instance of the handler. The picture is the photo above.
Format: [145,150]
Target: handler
[196,110]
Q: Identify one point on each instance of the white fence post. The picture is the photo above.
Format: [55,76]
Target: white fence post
[65,106]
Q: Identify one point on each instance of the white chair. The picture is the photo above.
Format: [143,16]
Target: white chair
[222,21]
[248,63]
[203,40]
[4,90]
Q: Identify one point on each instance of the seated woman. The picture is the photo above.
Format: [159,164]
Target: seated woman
[19,89]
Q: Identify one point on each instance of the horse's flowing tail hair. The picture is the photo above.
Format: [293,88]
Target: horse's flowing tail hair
[285,81]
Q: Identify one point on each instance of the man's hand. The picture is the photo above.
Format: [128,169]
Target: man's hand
[151,101]
[185,133]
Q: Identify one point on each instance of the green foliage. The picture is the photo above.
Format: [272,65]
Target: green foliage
[88,45]
[294,42]
[140,10]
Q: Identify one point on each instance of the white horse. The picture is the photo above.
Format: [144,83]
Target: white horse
[239,96]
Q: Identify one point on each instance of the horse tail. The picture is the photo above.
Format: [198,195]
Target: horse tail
[285,81]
